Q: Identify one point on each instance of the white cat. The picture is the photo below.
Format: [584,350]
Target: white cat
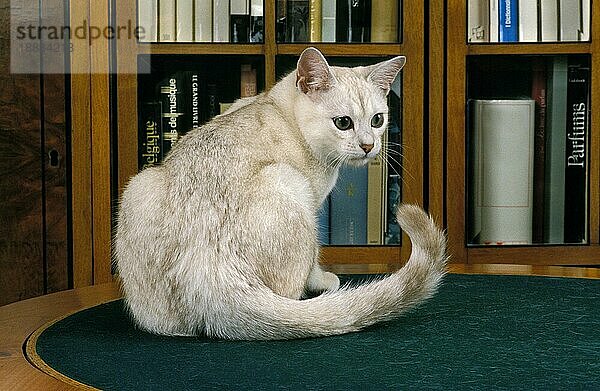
[221,239]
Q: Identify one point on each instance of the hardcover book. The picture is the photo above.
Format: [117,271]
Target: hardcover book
[509,21]
[148,20]
[538,94]
[328,21]
[348,211]
[384,21]
[220,21]
[316,8]
[478,29]
[549,20]
[570,20]
[149,135]
[353,21]
[166,16]
[576,156]
[528,20]
[185,21]
[203,28]
[494,20]
[298,21]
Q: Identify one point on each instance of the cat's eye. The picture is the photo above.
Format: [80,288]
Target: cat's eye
[377,120]
[343,123]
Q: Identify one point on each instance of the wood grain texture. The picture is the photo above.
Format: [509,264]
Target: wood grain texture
[21,187]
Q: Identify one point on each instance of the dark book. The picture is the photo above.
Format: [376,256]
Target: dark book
[170,92]
[353,21]
[239,28]
[281,21]
[212,101]
[576,156]
[298,21]
[538,94]
[392,234]
[149,135]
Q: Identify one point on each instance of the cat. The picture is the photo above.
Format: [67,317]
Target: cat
[221,238]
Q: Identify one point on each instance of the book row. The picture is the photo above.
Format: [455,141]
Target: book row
[236,21]
[338,21]
[528,20]
[528,160]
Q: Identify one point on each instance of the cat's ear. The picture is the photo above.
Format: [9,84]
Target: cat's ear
[313,72]
[384,73]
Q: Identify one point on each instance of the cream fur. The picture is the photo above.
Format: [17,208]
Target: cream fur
[221,239]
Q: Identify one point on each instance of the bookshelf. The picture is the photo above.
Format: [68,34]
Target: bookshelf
[468,62]
[274,50]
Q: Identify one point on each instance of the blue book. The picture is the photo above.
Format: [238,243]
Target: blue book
[509,21]
[348,209]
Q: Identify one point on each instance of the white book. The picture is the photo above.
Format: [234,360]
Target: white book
[528,20]
[570,19]
[185,21]
[220,20]
[503,171]
[239,7]
[203,27]
[328,20]
[549,20]
[554,179]
[479,21]
[166,25]
[584,33]
[494,21]
[148,20]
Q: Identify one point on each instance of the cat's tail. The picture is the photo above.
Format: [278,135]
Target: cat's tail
[258,313]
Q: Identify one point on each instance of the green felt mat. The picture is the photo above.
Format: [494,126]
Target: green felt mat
[479,332]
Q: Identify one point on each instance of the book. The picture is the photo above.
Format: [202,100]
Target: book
[576,154]
[556,117]
[171,95]
[502,191]
[256,21]
[220,21]
[248,86]
[212,100]
[203,28]
[478,29]
[376,197]
[384,18]
[298,21]
[348,212]
[538,94]
[185,21]
[508,21]
[584,32]
[281,21]
[549,20]
[353,20]
[149,135]
[393,180]
[148,20]
[315,20]
[528,21]
[166,18]
[570,20]
[494,20]
[328,8]
[239,21]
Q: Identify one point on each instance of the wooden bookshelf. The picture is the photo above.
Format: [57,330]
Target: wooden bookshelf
[454,188]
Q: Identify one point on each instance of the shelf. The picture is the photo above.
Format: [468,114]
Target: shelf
[534,48]
[200,48]
[337,49]
[539,255]
[363,255]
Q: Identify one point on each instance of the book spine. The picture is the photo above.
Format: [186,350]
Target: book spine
[343,23]
[239,22]
[384,17]
[220,21]
[148,20]
[185,21]
[248,85]
[584,32]
[494,20]
[508,18]
[194,100]
[166,16]
[316,8]
[504,175]
[576,157]
[538,93]
[212,101]
[570,19]
[256,21]
[478,23]
[556,118]
[203,27]
[549,20]
[298,21]
[360,19]
[375,200]
[348,214]
[171,98]
[281,21]
[149,145]
[392,181]
[328,22]
[528,20]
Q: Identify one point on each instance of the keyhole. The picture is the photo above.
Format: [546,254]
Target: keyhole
[54,158]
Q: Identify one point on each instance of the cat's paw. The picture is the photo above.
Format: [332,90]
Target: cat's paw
[322,281]
[331,281]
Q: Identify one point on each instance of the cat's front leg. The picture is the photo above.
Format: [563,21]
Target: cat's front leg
[321,281]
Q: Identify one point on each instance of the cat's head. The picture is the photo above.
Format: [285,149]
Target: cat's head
[344,111]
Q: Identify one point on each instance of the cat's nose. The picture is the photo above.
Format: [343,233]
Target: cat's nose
[366,147]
